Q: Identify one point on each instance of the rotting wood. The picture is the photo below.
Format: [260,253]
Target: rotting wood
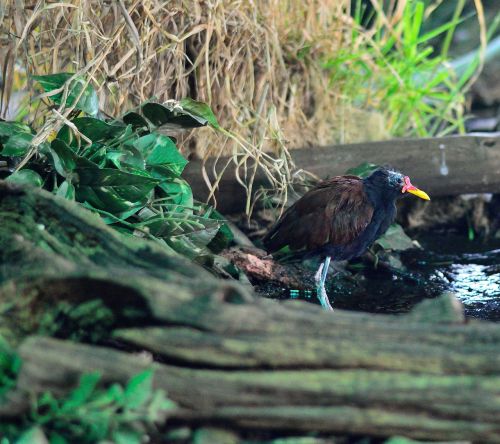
[225,356]
[442,166]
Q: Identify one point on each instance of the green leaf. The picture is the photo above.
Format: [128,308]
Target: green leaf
[157,114]
[440,29]
[159,403]
[55,438]
[8,129]
[108,189]
[200,109]
[136,120]
[17,145]
[126,157]
[113,190]
[223,237]
[26,177]
[127,437]
[97,130]
[66,160]
[34,435]
[395,239]
[178,192]
[86,387]
[139,389]
[363,170]
[185,121]
[160,151]
[88,102]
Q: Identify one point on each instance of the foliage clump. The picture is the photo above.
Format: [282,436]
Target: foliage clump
[92,413]
[126,170]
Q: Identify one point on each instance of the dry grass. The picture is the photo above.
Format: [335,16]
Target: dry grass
[256,62]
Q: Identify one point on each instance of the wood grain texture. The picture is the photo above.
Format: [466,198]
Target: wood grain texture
[441,166]
[228,357]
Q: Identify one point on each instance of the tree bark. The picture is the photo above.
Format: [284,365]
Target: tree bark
[225,356]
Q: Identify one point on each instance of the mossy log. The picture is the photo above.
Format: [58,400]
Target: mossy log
[227,357]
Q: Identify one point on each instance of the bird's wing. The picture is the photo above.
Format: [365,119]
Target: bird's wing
[335,212]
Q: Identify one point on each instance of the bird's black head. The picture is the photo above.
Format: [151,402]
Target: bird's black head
[391,185]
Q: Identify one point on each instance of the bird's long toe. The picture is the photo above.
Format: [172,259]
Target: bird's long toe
[323,297]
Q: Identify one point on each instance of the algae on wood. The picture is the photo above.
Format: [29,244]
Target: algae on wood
[225,356]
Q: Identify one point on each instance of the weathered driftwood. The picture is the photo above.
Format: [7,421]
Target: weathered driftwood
[442,166]
[227,357]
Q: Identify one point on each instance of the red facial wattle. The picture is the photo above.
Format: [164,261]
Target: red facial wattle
[408,187]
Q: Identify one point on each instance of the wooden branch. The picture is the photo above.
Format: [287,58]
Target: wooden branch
[226,356]
[442,166]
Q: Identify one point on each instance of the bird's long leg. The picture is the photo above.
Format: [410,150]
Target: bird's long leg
[320,279]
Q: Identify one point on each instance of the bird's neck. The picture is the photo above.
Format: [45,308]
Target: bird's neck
[378,196]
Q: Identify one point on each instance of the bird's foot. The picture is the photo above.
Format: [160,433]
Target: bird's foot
[320,278]
[323,297]
[317,276]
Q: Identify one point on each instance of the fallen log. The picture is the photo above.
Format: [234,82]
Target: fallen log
[227,357]
[443,166]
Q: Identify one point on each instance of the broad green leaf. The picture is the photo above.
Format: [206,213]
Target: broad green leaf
[395,239]
[121,216]
[66,135]
[125,157]
[96,153]
[363,170]
[160,115]
[157,114]
[97,130]
[113,190]
[26,177]
[104,188]
[66,190]
[160,150]
[8,129]
[139,389]
[178,192]
[185,121]
[88,102]
[136,120]
[17,145]
[66,160]
[223,237]
[200,109]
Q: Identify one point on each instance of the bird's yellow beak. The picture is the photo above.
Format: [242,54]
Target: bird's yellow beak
[409,188]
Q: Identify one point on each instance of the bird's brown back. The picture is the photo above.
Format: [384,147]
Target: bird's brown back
[334,213]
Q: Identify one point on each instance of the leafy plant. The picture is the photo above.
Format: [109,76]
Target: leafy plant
[10,363]
[89,321]
[91,413]
[126,170]
[396,72]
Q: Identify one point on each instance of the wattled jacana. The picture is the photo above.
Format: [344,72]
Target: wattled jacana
[340,218]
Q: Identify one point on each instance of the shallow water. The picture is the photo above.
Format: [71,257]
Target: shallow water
[447,262]
[473,275]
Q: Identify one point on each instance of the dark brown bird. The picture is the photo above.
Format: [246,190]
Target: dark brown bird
[340,218]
